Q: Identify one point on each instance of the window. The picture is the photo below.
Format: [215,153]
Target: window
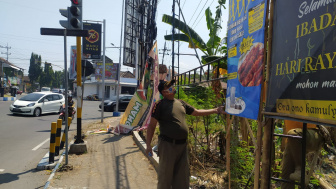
[56,97]
[49,97]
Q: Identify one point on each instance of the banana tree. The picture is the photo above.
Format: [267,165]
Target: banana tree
[214,46]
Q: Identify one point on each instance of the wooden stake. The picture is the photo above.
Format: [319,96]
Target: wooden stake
[228,140]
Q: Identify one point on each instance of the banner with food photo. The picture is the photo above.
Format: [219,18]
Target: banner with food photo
[111,71]
[303,67]
[246,31]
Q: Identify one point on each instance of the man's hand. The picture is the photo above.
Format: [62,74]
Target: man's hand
[149,150]
[220,110]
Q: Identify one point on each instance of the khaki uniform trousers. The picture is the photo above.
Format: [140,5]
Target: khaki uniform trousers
[292,154]
[173,166]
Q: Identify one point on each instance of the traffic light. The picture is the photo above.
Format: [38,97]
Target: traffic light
[87,68]
[74,15]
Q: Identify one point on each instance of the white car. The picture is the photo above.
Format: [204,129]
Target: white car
[38,103]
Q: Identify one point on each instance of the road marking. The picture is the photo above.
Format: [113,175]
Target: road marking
[2,170]
[38,146]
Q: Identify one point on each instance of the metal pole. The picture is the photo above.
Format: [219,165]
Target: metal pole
[178,56]
[173,32]
[103,79]
[66,97]
[303,158]
[79,91]
[120,45]
[136,60]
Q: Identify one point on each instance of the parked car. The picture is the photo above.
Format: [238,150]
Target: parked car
[43,89]
[110,105]
[61,91]
[55,90]
[38,103]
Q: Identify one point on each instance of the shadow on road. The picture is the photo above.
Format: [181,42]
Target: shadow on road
[121,176]
[113,139]
[30,116]
[9,177]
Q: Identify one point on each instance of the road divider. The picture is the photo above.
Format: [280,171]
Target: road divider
[52,142]
[63,136]
[58,136]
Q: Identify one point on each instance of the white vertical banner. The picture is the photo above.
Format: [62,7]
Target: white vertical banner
[73,60]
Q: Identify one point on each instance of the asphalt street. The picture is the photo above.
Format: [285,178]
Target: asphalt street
[25,140]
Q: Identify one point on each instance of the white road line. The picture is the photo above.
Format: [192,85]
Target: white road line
[38,146]
[2,170]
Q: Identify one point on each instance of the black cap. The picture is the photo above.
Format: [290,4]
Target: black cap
[164,84]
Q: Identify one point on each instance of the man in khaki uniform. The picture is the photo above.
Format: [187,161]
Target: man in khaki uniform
[292,159]
[172,148]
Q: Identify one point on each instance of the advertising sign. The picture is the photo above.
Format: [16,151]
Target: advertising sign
[138,111]
[73,62]
[245,57]
[303,67]
[111,71]
[92,43]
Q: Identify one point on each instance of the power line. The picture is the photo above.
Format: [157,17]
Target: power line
[199,13]
[194,12]
[203,14]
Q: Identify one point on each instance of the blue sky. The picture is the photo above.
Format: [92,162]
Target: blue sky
[21,21]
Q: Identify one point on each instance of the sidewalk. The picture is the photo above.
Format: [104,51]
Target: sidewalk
[112,161]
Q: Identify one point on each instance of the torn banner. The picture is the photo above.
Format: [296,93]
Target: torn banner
[138,111]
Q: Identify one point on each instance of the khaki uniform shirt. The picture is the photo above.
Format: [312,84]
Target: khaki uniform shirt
[171,116]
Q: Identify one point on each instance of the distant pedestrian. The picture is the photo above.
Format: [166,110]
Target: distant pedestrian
[172,148]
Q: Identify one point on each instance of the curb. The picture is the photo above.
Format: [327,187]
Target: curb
[44,163]
[54,165]
[7,98]
[154,159]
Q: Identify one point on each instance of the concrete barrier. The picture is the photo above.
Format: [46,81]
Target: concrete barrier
[63,136]
[58,136]
[52,142]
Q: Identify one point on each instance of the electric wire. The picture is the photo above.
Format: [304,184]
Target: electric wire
[203,14]
[199,14]
[194,12]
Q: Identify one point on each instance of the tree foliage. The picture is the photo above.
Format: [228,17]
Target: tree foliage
[46,77]
[214,45]
[35,69]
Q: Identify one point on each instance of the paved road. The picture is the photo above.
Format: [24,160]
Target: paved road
[25,140]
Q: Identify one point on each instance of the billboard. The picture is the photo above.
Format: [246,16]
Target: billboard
[92,43]
[302,71]
[246,31]
[111,71]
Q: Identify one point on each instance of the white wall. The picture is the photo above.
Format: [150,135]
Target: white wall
[89,89]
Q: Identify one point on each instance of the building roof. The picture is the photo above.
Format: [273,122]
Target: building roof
[9,65]
[127,74]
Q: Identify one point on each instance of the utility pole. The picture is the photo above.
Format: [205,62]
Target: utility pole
[2,72]
[173,33]
[164,51]
[7,50]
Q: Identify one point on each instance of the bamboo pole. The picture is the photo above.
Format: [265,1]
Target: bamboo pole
[243,130]
[228,140]
[250,132]
[267,143]
[258,154]
[263,95]
[266,155]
